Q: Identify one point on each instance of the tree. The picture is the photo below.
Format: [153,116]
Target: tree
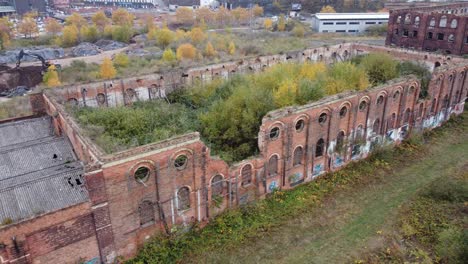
[204,14]
[232,48]
[257,10]
[268,24]
[121,60]
[327,9]
[51,78]
[52,26]
[379,67]
[241,15]
[31,14]
[209,50]
[147,22]
[184,16]
[122,17]
[223,16]
[122,33]
[152,34]
[6,29]
[299,31]
[164,37]
[281,23]
[107,69]
[76,19]
[100,20]
[70,36]
[186,52]
[28,27]
[168,55]
[286,93]
[89,34]
[197,35]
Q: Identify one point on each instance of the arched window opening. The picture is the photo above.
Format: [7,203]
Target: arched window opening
[274,133]
[142,174]
[433,106]
[183,199]
[343,111]
[408,19]
[322,118]
[146,212]
[436,64]
[273,165]
[451,38]
[180,162]
[421,109]
[454,23]
[380,100]
[299,125]
[359,133]
[217,187]
[246,174]
[443,21]
[319,149]
[340,140]
[298,154]
[406,119]
[432,22]
[362,105]
[396,95]
[376,127]
[398,20]
[416,21]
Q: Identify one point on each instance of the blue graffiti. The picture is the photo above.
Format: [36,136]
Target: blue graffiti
[92,261]
[273,186]
[338,161]
[318,168]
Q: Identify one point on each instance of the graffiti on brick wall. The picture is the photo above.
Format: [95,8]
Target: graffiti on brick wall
[296,179]
[318,169]
[273,186]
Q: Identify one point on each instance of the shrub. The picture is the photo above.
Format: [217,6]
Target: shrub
[379,67]
[452,245]
[168,55]
[299,31]
[186,52]
[231,48]
[197,35]
[209,50]
[122,33]
[70,36]
[107,69]
[121,60]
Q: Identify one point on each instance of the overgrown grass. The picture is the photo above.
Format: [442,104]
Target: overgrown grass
[15,107]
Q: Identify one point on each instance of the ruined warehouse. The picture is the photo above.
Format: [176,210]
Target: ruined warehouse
[440,28]
[63,200]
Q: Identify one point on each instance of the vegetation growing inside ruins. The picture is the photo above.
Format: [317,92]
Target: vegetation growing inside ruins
[228,113]
[352,209]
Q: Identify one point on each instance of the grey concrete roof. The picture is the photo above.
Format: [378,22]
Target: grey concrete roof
[39,172]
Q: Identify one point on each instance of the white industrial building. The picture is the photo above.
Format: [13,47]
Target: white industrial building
[347,22]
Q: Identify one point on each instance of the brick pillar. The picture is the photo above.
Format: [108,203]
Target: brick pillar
[95,184]
[37,103]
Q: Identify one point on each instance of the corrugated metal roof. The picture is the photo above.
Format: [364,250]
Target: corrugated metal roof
[39,172]
[357,16]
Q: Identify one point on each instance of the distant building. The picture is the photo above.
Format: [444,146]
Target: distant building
[61,4]
[347,22]
[124,3]
[6,9]
[192,4]
[24,6]
[295,10]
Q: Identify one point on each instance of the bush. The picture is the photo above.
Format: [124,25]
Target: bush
[122,33]
[452,245]
[186,52]
[418,69]
[299,31]
[379,67]
[450,190]
[121,60]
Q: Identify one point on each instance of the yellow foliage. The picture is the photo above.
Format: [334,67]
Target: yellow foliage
[152,34]
[70,35]
[197,35]
[209,50]
[312,70]
[257,10]
[327,9]
[100,20]
[184,15]
[121,60]
[186,51]
[299,31]
[76,20]
[165,36]
[281,23]
[51,78]
[122,17]
[180,34]
[286,93]
[168,55]
[232,48]
[107,69]
[268,24]
[52,26]
[28,27]
[6,29]
[204,14]
[108,29]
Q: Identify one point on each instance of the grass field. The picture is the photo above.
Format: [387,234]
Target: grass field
[337,219]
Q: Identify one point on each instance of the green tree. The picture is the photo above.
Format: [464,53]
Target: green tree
[89,34]
[121,60]
[380,67]
[165,37]
[122,33]
[299,31]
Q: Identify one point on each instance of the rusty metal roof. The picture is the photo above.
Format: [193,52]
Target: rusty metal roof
[39,172]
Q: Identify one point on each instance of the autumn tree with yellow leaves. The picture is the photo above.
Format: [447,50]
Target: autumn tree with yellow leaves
[197,35]
[51,78]
[281,23]
[231,48]
[107,70]
[268,24]
[28,27]
[186,52]
[6,29]
[52,26]
[184,16]
[100,20]
[328,9]
[210,50]
[70,35]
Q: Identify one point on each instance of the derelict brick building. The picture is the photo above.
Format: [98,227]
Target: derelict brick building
[438,28]
[63,200]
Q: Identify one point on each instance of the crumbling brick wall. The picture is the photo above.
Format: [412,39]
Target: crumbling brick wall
[439,28]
